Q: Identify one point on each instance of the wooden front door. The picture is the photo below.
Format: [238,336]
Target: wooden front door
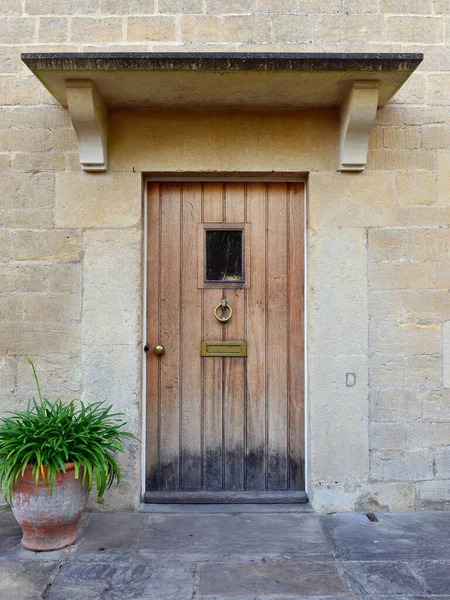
[225,423]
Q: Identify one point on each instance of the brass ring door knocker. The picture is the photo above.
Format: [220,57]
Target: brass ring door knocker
[225,307]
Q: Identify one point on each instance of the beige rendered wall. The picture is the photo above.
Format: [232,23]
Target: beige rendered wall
[378,242]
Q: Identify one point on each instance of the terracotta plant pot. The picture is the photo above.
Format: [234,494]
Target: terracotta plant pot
[49,522]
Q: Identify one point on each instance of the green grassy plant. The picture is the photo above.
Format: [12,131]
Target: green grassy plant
[48,434]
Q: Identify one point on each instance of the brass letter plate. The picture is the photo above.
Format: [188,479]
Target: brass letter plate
[218,348]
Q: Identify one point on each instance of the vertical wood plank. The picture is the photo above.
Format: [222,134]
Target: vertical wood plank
[277,348]
[296,337]
[234,368]
[152,361]
[213,210]
[190,340]
[170,336]
[256,339]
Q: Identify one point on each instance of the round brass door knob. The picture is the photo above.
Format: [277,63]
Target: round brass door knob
[159,349]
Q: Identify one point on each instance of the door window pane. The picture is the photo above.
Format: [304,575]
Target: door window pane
[224,255]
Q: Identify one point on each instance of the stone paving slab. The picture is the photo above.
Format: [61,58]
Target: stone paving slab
[406,536]
[234,537]
[383,578]
[436,576]
[20,582]
[265,579]
[101,581]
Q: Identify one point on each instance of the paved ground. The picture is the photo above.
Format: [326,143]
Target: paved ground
[239,556]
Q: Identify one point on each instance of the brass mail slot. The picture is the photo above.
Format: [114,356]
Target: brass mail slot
[218,348]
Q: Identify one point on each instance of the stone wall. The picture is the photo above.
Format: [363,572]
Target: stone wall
[379,242]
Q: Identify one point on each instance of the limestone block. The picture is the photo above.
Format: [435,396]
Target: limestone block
[177,7]
[64,277]
[52,29]
[416,188]
[432,304]
[27,190]
[405,338]
[61,7]
[11,308]
[21,140]
[351,199]
[413,92]
[86,29]
[436,137]
[39,161]
[387,244]
[425,30]
[28,219]
[112,287]
[402,275]
[423,216]
[127,7]
[438,89]
[51,308]
[15,30]
[60,376]
[7,374]
[232,6]
[433,495]
[98,200]
[367,497]
[223,140]
[429,244]
[277,6]
[436,406]
[406,371]
[400,137]
[392,465]
[443,178]
[407,7]
[5,162]
[352,28]
[446,350]
[24,278]
[338,291]
[4,246]
[200,28]
[387,436]
[335,408]
[400,160]
[425,115]
[441,7]
[390,115]
[394,405]
[443,463]
[36,117]
[112,373]
[18,90]
[11,7]
[317,6]
[151,29]
[46,245]
[9,59]
[252,28]
[420,435]
[442,271]
[39,339]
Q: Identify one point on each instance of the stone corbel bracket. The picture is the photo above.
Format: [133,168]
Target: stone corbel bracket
[89,115]
[358,113]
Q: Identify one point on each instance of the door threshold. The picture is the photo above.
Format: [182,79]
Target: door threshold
[226,509]
[265,497]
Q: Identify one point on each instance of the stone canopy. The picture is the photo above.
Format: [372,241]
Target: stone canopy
[88,84]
